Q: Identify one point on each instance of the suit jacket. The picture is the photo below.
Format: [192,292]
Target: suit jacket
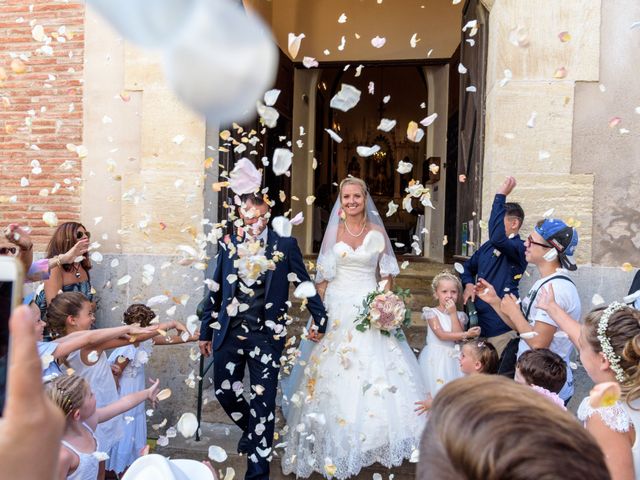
[276,289]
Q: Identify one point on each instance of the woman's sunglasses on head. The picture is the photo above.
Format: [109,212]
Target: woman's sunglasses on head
[8,250]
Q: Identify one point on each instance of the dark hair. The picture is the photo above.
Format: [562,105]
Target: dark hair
[254,198]
[487,427]
[543,368]
[623,332]
[63,305]
[140,314]
[513,209]
[485,353]
[62,240]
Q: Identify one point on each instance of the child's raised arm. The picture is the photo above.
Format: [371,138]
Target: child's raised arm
[96,338]
[125,403]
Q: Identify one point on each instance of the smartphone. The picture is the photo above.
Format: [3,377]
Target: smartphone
[10,297]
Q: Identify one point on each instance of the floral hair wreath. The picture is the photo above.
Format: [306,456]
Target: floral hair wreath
[605,343]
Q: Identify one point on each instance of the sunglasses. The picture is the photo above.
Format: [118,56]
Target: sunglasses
[80,235]
[8,250]
[533,242]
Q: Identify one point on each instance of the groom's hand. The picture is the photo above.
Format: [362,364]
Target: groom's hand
[205,347]
[314,335]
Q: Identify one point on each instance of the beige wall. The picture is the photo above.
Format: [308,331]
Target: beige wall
[540,156]
[437,25]
[613,157]
[131,173]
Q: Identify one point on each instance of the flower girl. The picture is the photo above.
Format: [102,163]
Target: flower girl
[439,360]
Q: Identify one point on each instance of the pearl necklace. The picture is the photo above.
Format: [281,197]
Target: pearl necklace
[364,225]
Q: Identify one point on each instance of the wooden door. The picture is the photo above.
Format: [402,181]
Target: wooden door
[473,55]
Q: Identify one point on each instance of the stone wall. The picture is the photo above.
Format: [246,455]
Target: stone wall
[530,108]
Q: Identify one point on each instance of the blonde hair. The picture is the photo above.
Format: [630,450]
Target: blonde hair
[363,186]
[476,431]
[623,332]
[446,275]
[68,392]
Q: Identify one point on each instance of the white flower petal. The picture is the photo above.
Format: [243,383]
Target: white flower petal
[347,98]
[293,44]
[309,62]
[391,208]
[336,138]
[404,167]
[367,151]
[217,454]
[378,42]
[271,97]
[245,177]
[281,161]
[374,242]
[305,290]
[50,218]
[386,125]
[282,226]
[187,425]
[428,120]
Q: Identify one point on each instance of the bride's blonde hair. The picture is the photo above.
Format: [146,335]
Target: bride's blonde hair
[363,186]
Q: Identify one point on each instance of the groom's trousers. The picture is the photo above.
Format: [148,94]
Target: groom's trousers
[258,351]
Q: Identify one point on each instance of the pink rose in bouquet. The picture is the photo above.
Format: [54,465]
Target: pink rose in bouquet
[387,312]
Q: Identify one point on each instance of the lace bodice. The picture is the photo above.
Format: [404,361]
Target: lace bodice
[615,416]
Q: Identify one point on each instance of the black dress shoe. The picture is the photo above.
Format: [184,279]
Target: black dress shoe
[244,445]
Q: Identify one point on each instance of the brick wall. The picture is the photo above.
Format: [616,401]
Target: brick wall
[40,112]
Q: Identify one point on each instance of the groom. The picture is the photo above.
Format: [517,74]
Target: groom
[243,325]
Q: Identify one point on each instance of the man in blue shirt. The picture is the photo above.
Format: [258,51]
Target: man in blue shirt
[500,261]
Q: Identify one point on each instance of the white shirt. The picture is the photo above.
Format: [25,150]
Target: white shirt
[567,298]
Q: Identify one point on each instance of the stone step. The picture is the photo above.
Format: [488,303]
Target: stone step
[227,437]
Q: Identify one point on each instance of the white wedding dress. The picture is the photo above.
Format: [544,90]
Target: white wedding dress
[354,400]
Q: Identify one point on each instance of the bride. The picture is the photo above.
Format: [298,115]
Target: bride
[350,402]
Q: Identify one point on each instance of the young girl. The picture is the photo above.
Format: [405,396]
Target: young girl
[81,450]
[544,371]
[128,363]
[609,344]
[71,312]
[51,353]
[476,356]
[439,359]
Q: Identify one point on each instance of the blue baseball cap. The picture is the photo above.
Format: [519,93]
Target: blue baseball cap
[562,237]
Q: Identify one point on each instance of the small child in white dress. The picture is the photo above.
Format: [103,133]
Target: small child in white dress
[439,359]
[82,452]
[128,366]
[72,312]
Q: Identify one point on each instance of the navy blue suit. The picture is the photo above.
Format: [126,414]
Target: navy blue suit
[258,348]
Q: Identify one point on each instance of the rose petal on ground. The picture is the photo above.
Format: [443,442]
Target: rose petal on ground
[217,454]
[187,425]
[386,125]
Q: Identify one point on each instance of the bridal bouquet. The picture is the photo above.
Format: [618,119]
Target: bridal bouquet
[385,311]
